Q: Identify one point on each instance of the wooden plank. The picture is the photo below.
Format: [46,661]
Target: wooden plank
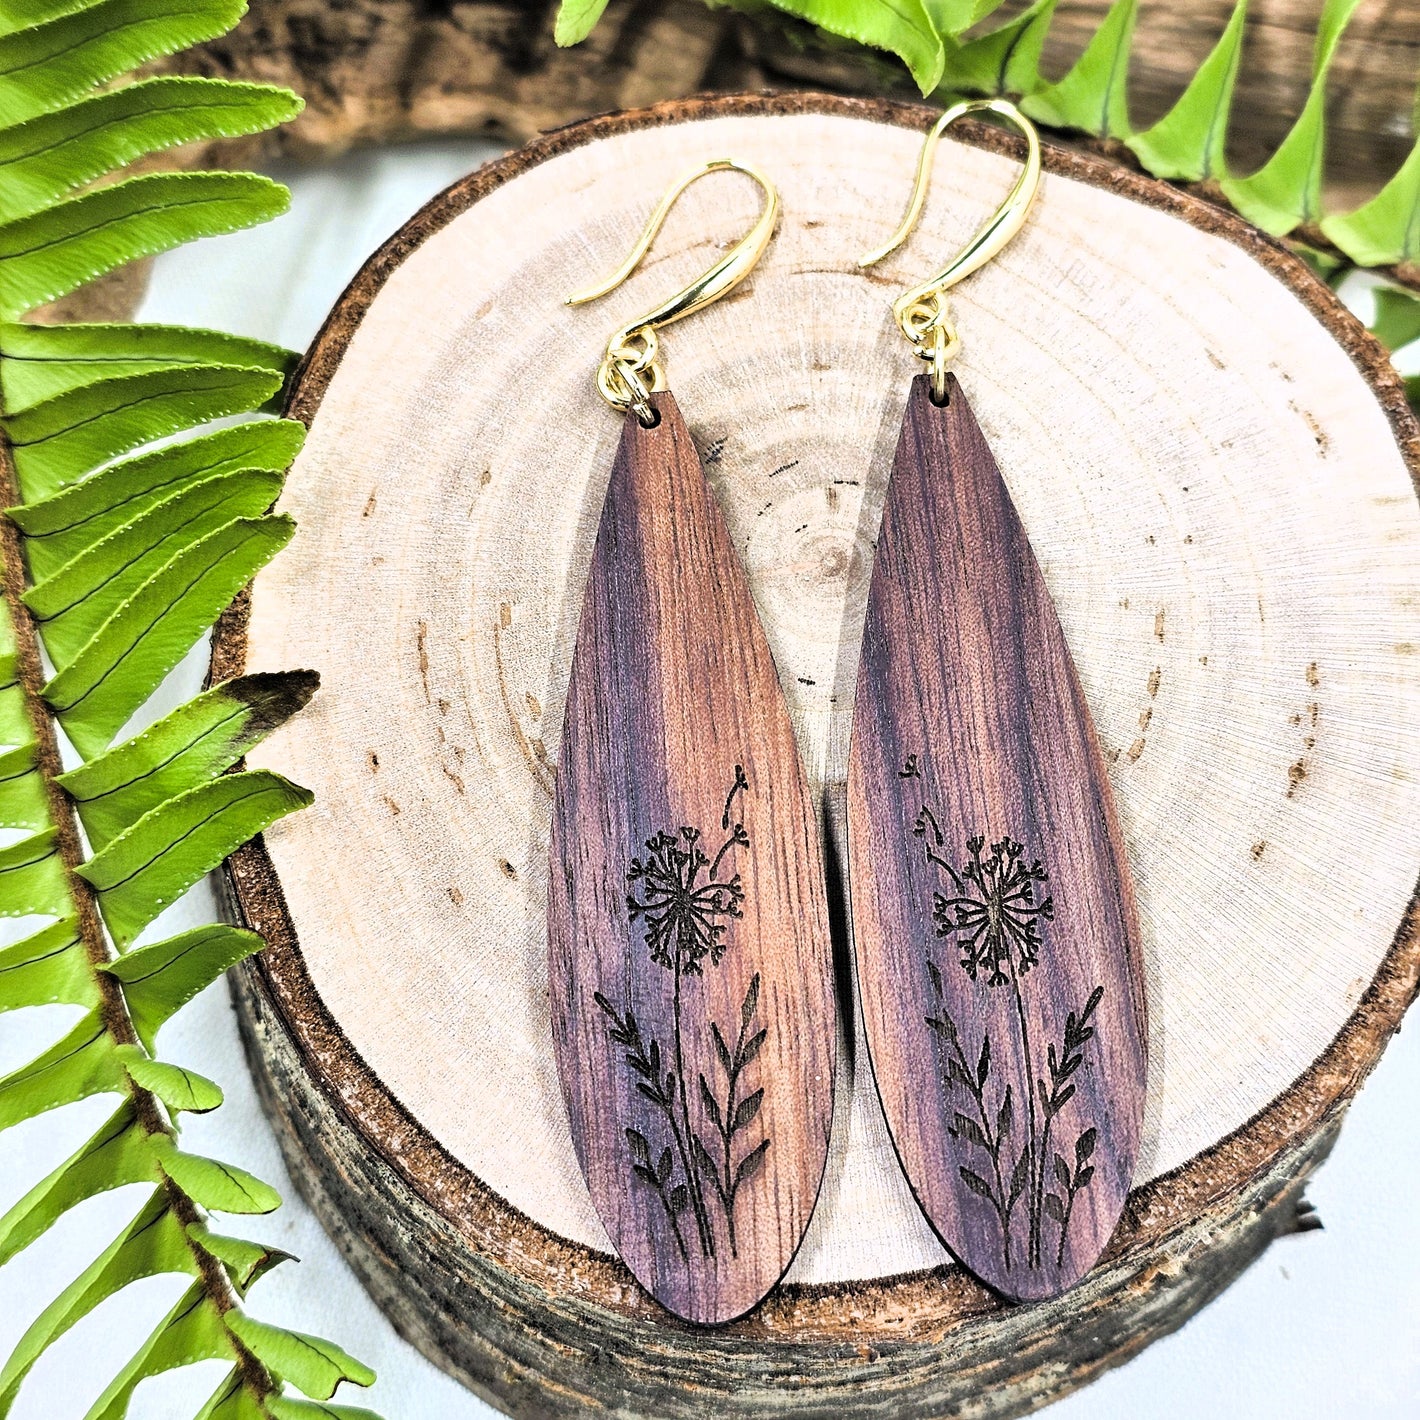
[994,921]
[689,963]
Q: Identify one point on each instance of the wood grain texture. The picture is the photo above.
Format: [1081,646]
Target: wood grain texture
[993,915]
[688,952]
[1214,463]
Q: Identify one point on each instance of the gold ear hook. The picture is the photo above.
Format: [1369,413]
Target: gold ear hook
[921,313]
[631,350]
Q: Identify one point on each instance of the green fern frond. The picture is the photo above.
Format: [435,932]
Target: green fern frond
[47,969]
[246,1262]
[118,668]
[180,1090]
[158,980]
[284,1408]
[22,796]
[49,156]
[117,1155]
[315,1366]
[576,19]
[1386,230]
[133,549]
[24,14]
[182,751]
[1093,96]
[955,17]
[63,525]
[194,1330]
[61,439]
[902,27]
[1397,317]
[1189,141]
[55,251]
[1286,190]
[74,602]
[153,1243]
[46,66]
[1006,60]
[42,362]
[149,866]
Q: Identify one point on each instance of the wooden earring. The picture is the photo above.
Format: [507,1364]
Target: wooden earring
[689,960]
[994,924]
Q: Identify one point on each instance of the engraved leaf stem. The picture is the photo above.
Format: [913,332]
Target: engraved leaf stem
[993,916]
[736,1114]
[688,1161]
[644,1061]
[685,908]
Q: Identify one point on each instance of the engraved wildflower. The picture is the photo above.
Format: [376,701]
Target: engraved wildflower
[685,906]
[994,917]
[994,913]
[683,903]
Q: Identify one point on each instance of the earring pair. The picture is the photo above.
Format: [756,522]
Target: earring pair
[993,923]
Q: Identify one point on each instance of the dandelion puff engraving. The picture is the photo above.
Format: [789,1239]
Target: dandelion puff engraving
[685,899]
[684,918]
[991,909]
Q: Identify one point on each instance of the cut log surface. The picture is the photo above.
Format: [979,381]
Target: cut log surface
[1214,467]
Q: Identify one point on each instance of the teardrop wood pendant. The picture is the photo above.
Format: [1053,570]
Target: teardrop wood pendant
[690,968]
[993,916]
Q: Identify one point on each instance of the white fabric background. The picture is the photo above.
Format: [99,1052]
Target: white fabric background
[1325,1325]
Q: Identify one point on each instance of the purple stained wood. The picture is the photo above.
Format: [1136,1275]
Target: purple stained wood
[690,973]
[993,917]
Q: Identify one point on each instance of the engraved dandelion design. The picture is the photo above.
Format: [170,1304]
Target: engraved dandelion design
[686,899]
[990,907]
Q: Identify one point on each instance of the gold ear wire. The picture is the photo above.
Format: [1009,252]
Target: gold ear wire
[632,349]
[921,313]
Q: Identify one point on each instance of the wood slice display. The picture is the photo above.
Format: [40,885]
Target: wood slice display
[1214,465]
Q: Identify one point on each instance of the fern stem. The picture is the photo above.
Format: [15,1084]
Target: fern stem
[113,1008]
